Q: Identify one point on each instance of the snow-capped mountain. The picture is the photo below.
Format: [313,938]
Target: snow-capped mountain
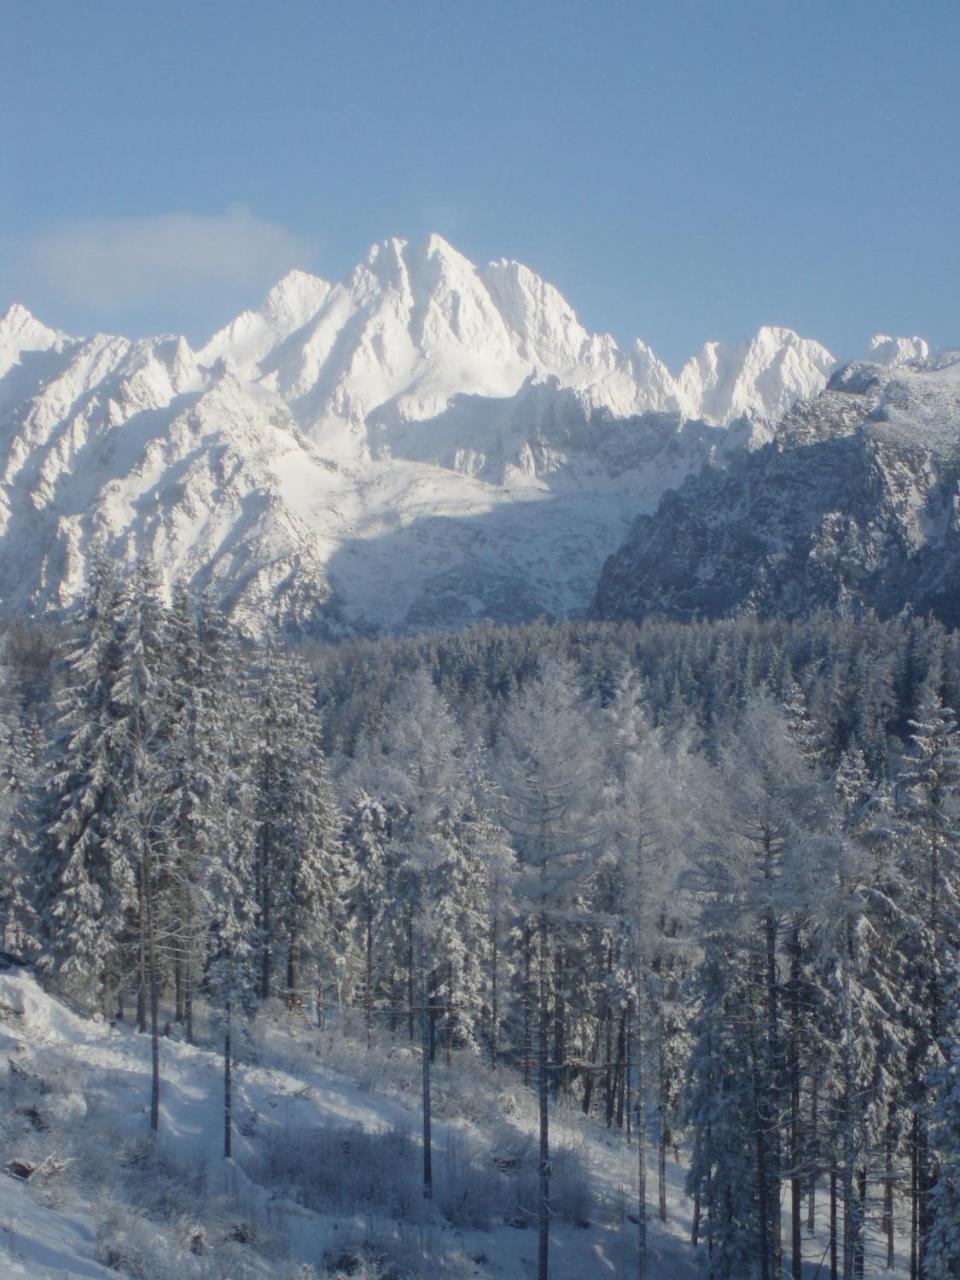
[426,442]
[855,502]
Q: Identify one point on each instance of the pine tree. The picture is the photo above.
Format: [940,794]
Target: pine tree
[549,766]
[298,865]
[943,1249]
[929,784]
[88,888]
[20,749]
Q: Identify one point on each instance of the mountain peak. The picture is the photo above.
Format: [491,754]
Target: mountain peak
[437,246]
[21,331]
[17,319]
[295,298]
[890,351]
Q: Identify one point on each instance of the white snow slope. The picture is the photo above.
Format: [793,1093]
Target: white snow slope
[424,443]
[326,1163]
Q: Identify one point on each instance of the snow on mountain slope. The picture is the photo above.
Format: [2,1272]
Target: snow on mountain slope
[20,333]
[882,349]
[425,441]
[253,334]
[854,503]
[759,379]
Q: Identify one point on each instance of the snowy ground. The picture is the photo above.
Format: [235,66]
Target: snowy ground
[325,1180]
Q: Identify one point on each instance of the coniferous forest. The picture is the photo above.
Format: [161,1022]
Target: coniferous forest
[696,883]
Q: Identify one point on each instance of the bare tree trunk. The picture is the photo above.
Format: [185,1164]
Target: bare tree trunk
[628,1073]
[543,1207]
[833,1225]
[923,1195]
[178,985]
[142,979]
[773,1068]
[851,1210]
[448,1022]
[591,1075]
[154,979]
[796,1241]
[266,924]
[662,1111]
[227,1088]
[559,1023]
[641,1161]
[188,1003]
[426,1031]
[527,1031]
[888,1181]
[760,1142]
[494,989]
[410,976]
[608,1043]
[293,972]
[858,1249]
[814,1149]
[914,1207]
[368,981]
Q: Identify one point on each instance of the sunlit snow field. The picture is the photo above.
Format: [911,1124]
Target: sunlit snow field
[326,1174]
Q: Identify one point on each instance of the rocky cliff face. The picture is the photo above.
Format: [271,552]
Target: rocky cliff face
[856,502]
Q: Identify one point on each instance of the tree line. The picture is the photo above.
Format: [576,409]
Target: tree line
[701,881]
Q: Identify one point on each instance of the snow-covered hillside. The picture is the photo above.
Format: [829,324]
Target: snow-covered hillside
[325,1176]
[425,443]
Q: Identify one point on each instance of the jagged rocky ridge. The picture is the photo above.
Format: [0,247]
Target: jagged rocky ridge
[423,444]
[855,503]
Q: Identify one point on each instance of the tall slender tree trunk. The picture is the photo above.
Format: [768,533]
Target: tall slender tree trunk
[426,1032]
[559,1022]
[608,1041]
[188,985]
[293,972]
[142,977]
[663,1136]
[628,1073]
[410,976]
[368,979]
[858,1248]
[448,1021]
[924,1183]
[494,989]
[888,1181]
[851,1209]
[814,1153]
[796,1240]
[914,1188]
[641,1161]
[527,1029]
[179,1012]
[773,1101]
[543,1095]
[227,1087]
[266,925]
[619,1073]
[591,1075]
[154,980]
[833,1225]
[759,1141]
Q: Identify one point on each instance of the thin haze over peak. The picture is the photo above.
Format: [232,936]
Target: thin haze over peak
[680,172]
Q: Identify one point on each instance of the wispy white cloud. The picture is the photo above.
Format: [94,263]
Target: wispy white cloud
[116,263]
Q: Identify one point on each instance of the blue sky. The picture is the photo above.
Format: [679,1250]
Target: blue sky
[682,171]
